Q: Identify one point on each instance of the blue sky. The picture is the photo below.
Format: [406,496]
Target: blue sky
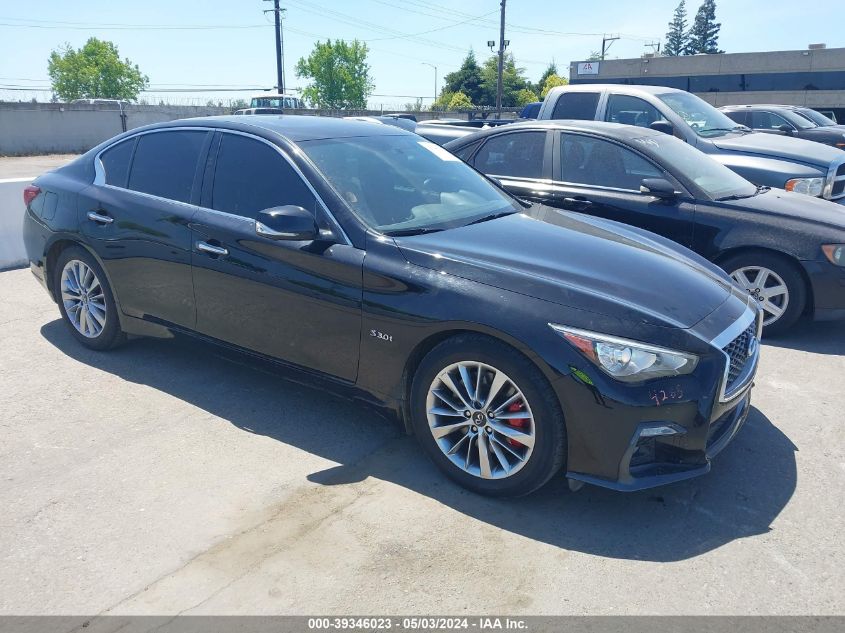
[241,53]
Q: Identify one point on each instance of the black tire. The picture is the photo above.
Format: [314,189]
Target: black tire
[111,335]
[787,271]
[549,451]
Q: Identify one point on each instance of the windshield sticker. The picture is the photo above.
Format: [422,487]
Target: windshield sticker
[438,151]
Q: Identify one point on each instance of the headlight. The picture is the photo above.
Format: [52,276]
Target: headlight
[808,186]
[626,360]
[835,253]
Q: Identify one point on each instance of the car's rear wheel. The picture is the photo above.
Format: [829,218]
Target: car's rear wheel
[487,416]
[776,285]
[86,301]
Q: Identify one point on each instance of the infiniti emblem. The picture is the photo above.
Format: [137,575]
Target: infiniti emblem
[752,346]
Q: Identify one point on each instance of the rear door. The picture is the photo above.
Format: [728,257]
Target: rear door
[601,177]
[136,217]
[521,161]
[296,301]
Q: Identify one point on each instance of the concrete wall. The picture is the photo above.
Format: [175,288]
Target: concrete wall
[12,252]
[61,128]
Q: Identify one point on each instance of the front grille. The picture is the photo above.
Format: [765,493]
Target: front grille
[841,170]
[738,358]
[838,189]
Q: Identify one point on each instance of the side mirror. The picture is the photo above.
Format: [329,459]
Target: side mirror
[659,188]
[289,222]
[786,129]
[663,126]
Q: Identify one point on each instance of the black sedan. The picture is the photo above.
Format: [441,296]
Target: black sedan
[785,249]
[514,340]
[789,121]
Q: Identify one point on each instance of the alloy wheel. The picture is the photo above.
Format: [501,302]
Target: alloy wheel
[83,298]
[481,420]
[767,287]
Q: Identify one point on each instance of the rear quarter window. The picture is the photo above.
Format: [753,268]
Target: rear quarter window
[115,161]
[580,106]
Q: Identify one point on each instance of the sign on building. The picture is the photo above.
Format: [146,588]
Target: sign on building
[588,68]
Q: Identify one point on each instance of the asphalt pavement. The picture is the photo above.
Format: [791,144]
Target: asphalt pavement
[169,477]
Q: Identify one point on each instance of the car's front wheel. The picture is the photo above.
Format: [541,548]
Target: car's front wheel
[775,283]
[487,416]
[86,301]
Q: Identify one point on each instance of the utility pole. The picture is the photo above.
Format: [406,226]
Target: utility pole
[435,77]
[502,44]
[280,65]
[606,43]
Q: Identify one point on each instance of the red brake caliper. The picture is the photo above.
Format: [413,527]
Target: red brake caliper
[519,423]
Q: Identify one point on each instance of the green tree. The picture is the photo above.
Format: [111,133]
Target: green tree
[415,106]
[704,34]
[467,79]
[551,69]
[677,39]
[513,80]
[443,101]
[524,96]
[339,74]
[94,71]
[459,101]
[552,81]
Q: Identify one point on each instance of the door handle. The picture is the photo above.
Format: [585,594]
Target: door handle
[99,218]
[578,202]
[211,249]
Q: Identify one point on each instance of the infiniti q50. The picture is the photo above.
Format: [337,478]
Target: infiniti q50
[516,341]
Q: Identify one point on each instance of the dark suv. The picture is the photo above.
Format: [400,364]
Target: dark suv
[789,121]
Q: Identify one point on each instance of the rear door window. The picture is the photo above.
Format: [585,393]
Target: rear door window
[739,116]
[115,161]
[767,121]
[588,160]
[631,111]
[251,176]
[518,154]
[581,106]
[165,163]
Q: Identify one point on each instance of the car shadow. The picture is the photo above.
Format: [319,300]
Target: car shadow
[751,482]
[817,337]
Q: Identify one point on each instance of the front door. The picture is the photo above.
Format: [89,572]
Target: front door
[600,177]
[296,301]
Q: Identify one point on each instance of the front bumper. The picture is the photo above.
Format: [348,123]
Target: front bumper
[629,436]
[655,460]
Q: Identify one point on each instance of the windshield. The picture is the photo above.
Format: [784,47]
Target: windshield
[816,117]
[687,163]
[801,122]
[404,184]
[703,118]
[275,102]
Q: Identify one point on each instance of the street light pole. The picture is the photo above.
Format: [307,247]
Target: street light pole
[435,78]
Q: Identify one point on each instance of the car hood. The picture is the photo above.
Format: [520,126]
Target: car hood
[578,261]
[782,147]
[820,216]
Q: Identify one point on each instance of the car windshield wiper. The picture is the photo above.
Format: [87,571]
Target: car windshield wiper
[491,216]
[736,128]
[420,230]
[736,196]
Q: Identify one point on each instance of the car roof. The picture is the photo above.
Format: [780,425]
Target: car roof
[610,130]
[294,127]
[750,106]
[621,88]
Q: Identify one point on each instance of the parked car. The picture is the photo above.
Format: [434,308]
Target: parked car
[514,340]
[530,110]
[788,121]
[830,115]
[276,100]
[442,131]
[786,163]
[250,111]
[785,249]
